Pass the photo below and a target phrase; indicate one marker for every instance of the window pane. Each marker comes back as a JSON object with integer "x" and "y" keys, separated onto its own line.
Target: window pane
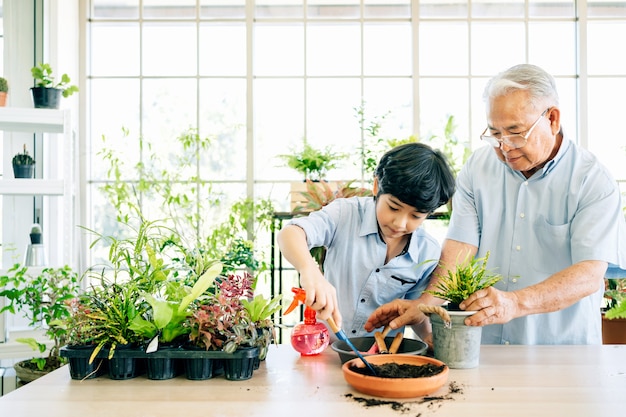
{"x": 544, "y": 8}
{"x": 222, "y": 49}
{"x": 333, "y": 49}
{"x": 158, "y": 9}
{"x": 442, "y": 8}
{"x": 115, "y": 9}
{"x": 392, "y": 97}
{"x": 278, "y": 125}
{"x": 496, "y": 46}
{"x": 603, "y": 58}
{"x": 378, "y": 57}
{"x": 223, "y": 120}
{"x": 393, "y": 8}
{"x": 115, "y": 49}
{"x": 606, "y": 8}
{"x": 169, "y": 49}
{"x": 333, "y": 8}
{"x": 541, "y": 40}
{"x": 436, "y": 106}
{"x": 279, "y": 49}
{"x": 220, "y": 9}
{"x": 608, "y": 146}
{"x": 330, "y": 119}
{"x": 109, "y": 115}
{"x": 498, "y": 8}
{"x": 279, "y": 8}
{"x": 168, "y": 109}
{"x": 448, "y": 55}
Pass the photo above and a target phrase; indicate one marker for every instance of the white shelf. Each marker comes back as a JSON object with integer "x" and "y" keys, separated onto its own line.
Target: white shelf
{"x": 24, "y": 186}
{"x": 32, "y": 120}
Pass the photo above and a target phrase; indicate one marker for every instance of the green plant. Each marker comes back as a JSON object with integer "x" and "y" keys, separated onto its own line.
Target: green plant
{"x": 167, "y": 314}
{"x": 42, "y": 300}
{"x": 311, "y": 162}
{"x": 317, "y": 195}
{"x": 221, "y": 321}
{"x": 615, "y": 295}
{"x": 260, "y": 310}
{"x": 4, "y": 85}
{"x": 468, "y": 277}
{"x": 23, "y": 158}
{"x": 42, "y": 73}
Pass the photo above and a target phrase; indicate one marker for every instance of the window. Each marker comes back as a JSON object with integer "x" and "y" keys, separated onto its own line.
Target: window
{"x": 259, "y": 77}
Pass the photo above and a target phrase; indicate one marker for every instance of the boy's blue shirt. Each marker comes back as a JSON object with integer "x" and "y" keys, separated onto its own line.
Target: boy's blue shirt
{"x": 355, "y": 259}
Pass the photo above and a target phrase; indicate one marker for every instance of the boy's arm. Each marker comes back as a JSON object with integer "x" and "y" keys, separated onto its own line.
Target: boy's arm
{"x": 320, "y": 294}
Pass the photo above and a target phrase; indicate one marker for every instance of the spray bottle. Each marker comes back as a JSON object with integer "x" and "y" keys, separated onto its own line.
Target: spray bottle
{"x": 310, "y": 337}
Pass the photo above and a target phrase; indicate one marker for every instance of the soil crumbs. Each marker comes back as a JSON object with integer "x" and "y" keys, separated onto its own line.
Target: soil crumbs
{"x": 400, "y": 370}
{"x": 405, "y": 407}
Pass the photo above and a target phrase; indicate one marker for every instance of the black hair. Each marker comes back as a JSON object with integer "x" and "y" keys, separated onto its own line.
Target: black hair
{"x": 417, "y": 174}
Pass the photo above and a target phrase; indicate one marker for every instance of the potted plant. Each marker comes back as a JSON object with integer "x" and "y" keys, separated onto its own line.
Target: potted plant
{"x": 221, "y": 323}
{"x": 614, "y": 311}
{"x": 35, "y": 234}
{"x": 455, "y": 343}
{"x": 47, "y": 91}
{"x": 4, "y": 90}
{"x": 42, "y": 300}
{"x": 23, "y": 164}
{"x": 312, "y": 163}
{"x": 260, "y": 310}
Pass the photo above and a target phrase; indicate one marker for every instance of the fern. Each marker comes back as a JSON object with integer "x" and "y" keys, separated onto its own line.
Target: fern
{"x": 468, "y": 278}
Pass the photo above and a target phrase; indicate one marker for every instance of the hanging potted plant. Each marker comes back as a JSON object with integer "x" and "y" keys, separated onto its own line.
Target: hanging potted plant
{"x": 23, "y": 164}
{"x": 47, "y": 91}
{"x": 455, "y": 343}
{"x": 4, "y": 90}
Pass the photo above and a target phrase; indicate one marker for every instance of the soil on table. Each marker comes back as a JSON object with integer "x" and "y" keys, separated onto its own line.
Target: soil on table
{"x": 400, "y": 370}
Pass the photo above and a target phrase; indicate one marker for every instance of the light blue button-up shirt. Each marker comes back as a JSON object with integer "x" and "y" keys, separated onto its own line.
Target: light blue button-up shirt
{"x": 567, "y": 212}
{"x": 355, "y": 259}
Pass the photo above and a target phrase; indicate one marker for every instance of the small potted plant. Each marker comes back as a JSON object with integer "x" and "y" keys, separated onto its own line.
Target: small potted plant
{"x": 47, "y": 91}
{"x": 221, "y": 323}
{"x": 23, "y": 164}
{"x": 455, "y": 343}
{"x": 35, "y": 234}
{"x": 42, "y": 300}
{"x": 614, "y": 311}
{"x": 4, "y": 90}
{"x": 260, "y": 310}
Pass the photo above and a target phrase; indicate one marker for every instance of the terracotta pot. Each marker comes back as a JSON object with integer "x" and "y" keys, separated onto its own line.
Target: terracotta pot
{"x": 395, "y": 387}
{"x": 613, "y": 331}
{"x": 3, "y": 99}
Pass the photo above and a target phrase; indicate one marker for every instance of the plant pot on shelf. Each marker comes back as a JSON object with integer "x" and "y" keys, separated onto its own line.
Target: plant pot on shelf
{"x": 24, "y": 171}
{"x": 46, "y": 98}
{"x": 458, "y": 345}
{"x": 3, "y": 99}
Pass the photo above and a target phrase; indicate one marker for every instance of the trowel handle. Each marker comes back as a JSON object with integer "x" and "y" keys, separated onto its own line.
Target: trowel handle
{"x": 333, "y": 326}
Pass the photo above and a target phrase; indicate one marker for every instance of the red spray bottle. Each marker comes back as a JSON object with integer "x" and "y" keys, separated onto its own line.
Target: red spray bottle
{"x": 310, "y": 337}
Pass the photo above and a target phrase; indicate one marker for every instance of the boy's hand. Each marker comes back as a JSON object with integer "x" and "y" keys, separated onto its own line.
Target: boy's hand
{"x": 320, "y": 294}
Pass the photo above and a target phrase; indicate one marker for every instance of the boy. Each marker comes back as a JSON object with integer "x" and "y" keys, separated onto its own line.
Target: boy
{"x": 375, "y": 250}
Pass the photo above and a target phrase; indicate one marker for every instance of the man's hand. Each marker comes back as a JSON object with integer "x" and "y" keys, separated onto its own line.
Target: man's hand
{"x": 492, "y": 305}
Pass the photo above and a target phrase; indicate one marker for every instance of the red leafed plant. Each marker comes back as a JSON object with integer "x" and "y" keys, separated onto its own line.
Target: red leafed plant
{"x": 221, "y": 321}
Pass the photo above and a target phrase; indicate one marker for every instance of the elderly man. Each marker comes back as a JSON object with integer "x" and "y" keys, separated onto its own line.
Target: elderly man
{"x": 547, "y": 211}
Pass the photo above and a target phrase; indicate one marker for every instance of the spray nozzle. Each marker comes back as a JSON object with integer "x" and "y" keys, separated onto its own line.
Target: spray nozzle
{"x": 299, "y": 297}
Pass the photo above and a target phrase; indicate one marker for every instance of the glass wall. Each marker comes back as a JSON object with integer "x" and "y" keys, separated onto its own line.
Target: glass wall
{"x": 257, "y": 78}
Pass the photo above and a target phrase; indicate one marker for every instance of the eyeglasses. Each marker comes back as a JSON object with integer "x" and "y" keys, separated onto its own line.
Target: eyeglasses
{"x": 511, "y": 141}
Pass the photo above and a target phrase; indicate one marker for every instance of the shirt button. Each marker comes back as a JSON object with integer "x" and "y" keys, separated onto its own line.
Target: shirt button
{"x": 522, "y": 215}
{"x": 377, "y": 269}
{"x": 514, "y": 280}
{"x": 362, "y": 300}
{"x": 353, "y": 332}
{"x": 526, "y": 183}
{"x": 506, "y": 342}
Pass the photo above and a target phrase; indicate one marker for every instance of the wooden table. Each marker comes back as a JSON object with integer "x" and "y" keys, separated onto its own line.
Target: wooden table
{"x": 510, "y": 381}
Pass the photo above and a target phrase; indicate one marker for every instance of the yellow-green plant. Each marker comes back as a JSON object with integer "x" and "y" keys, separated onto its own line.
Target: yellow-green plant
{"x": 464, "y": 280}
